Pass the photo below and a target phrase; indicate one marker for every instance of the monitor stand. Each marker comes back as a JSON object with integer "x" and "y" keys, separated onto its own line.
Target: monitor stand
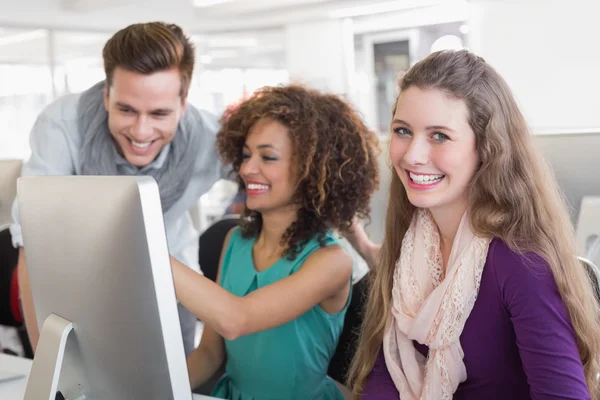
{"x": 48, "y": 359}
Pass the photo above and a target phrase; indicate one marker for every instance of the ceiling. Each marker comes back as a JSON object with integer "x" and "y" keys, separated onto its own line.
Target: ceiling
{"x": 227, "y": 33}
{"x": 259, "y": 49}
{"x": 199, "y": 15}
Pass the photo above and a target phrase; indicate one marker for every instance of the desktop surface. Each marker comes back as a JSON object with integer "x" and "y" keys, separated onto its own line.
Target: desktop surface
{"x": 15, "y": 389}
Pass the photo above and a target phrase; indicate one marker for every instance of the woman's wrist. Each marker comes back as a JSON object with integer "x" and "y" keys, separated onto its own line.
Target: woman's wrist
{"x": 372, "y": 254}
{"x": 359, "y": 239}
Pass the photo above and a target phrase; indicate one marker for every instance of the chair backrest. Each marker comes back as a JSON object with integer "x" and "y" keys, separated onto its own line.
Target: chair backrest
{"x": 594, "y": 274}
{"x": 346, "y": 348}
{"x": 10, "y": 170}
{"x": 211, "y": 243}
{"x": 10, "y": 313}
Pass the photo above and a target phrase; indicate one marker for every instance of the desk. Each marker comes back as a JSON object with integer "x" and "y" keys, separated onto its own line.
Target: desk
{"x": 15, "y": 390}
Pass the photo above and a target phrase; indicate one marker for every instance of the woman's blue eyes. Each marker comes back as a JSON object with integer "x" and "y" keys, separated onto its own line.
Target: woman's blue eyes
{"x": 440, "y": 137}
{"x": 437, "y": 136}
{"x": 401, "y": 131}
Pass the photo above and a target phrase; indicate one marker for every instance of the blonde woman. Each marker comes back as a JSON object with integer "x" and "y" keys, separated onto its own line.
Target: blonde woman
{"x": 477, "y": 293}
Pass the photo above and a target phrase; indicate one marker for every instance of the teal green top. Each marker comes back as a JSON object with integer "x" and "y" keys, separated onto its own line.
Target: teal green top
{"x": 288, "y": 362}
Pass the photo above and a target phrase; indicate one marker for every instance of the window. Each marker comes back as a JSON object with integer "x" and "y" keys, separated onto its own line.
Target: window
{"x": 25, "y": 87}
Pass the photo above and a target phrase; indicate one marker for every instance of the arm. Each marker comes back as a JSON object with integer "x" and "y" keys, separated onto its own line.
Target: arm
{"x": 359, "y": 239}
{"x": 206, "y": 359}
{"x": 545, "y": 337}
{"x": 49, "y": 156}
{"x": 324, "y": 274}
{"x": 27, "y": 301}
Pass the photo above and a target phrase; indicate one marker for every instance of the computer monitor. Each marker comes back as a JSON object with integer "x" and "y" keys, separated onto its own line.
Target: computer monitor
{"x": 9, "y": 172}
{"x": 98, "y": 264}
{"x": 588, "y": 229}
{"x": 575, "y": 159}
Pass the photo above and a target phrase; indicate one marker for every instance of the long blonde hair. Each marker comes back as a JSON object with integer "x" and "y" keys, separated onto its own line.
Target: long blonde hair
{"x": 513, "y": 196}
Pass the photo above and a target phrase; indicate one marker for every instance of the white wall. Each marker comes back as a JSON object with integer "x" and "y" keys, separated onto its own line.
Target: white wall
{"x": 321, "y": 54}
{"x": 548, "y": 53}
{"x": 447, "y": 11}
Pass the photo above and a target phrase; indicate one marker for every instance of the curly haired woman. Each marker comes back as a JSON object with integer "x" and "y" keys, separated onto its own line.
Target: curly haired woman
{"x": 307, "y": 163}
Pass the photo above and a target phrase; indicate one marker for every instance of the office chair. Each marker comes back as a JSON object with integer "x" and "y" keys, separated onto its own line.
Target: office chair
{"x": 340, "y": 362}
{"x": 10, "y": 308}
{"x": 594, "y": 274}
{"x": 211, "y": 243}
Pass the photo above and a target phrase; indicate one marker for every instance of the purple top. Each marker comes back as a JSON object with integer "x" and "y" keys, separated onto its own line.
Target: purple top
{"x": 518, "y": 341}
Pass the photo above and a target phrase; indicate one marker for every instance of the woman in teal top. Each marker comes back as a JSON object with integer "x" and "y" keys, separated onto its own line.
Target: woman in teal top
{"x": 294, "y": 356}
{"x": 308, "y": 166}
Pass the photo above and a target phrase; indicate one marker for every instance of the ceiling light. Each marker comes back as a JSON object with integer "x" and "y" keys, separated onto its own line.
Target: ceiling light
{"x": 23, "y": 37}
{"x": 208, "y": 3}
{"x": 224, "y": 54}
{"x": 447, "y": 42}
{"x": 381, "y": 7}
{"x": 232, "y": 42}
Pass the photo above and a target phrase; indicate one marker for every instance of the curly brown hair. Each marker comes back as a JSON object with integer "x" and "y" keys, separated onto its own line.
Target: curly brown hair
{"x": 334, "y": 150}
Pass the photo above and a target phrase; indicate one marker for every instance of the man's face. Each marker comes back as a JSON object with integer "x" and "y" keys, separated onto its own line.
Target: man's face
{"x": 143, "y": 112}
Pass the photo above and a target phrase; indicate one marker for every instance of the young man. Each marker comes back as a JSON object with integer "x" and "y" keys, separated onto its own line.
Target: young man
{"x": 137, "y": 122}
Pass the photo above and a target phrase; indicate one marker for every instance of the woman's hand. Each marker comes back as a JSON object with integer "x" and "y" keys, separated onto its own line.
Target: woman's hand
{"x": 359, "y": 239}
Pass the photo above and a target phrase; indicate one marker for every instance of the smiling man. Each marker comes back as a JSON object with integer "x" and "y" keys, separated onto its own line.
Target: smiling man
{"x": 136, "y": 122}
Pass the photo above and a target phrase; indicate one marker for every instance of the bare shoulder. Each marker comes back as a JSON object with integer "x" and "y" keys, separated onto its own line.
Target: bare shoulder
{"x": 331, "y": 267}
{"x": 333, "y": 257}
